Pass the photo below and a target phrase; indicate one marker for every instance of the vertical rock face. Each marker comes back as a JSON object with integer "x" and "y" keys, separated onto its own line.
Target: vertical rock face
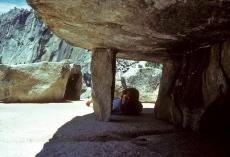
{"x": 24, "y": 39}
{"x": 21, "y": 36}
{"x": 216, "y": 91}
{"x": 197, "y": 94}
{"x": 39, "y": 82}
{"x": 164, "y": 103}
{"x": 103, "y": 79}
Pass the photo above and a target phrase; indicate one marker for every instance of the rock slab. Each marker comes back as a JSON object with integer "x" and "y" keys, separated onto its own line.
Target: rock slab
{"x": 137, "y": 30}
{"x": 39, "y": 82}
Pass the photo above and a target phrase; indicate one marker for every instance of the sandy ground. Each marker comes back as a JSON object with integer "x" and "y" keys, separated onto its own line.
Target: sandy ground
{"x": 25, "y": 127}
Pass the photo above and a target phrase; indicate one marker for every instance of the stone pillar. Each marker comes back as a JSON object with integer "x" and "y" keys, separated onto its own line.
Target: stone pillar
{"x": 165, "y": 107}
{"x": 103, "y": 66}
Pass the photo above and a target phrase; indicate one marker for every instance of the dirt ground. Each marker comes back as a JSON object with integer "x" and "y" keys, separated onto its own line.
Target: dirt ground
{"x": 71, "y": 130}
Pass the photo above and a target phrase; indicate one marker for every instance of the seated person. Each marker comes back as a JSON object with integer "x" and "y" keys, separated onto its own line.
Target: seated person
{"x": 128, "y": 104}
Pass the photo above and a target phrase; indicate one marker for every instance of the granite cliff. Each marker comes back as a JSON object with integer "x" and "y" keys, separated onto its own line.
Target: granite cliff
{"x": 25, "y": 39}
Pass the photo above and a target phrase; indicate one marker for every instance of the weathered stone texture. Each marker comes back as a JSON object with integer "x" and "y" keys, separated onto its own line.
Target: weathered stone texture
{"x": 192, "y": 97}
{"x": 216, "y": 91}
{"x": 165, "y": 107}
{"x": 140, "y": 30}
{"x": 103, "y": 82}
{"x": 38, "y": 82}
{"x": 179, "y": 33}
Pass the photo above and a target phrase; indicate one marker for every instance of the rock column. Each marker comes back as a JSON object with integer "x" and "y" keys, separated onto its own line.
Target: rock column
{"x": 103, "y": 67}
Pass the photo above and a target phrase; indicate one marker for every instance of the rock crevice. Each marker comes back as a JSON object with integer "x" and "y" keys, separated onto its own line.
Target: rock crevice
{"x": 199, "y": 88}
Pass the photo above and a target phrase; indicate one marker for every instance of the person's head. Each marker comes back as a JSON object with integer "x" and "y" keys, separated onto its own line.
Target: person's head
{"x": 130, "y": 102}
{"x": 130, "y": 95}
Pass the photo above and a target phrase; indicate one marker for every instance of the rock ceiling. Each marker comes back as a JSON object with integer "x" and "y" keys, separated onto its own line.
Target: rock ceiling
{"x": 137, "y": 29}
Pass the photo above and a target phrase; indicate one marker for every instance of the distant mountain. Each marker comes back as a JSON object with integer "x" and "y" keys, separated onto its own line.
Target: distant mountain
{"x": 25, "y": 39}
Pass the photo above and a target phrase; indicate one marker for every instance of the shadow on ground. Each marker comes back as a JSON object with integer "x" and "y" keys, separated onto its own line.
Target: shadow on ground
{"x": 130, "y": 136}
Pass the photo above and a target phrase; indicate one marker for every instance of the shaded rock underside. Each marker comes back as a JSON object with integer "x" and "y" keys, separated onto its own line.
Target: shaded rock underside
{"x": 137, "y": 30}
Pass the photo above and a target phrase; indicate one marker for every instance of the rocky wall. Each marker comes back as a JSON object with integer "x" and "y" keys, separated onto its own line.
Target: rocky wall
{"x": 194, "y": 91}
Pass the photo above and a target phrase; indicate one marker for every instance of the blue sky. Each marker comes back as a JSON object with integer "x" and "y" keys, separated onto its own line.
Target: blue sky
{"x": 7, "y": 5}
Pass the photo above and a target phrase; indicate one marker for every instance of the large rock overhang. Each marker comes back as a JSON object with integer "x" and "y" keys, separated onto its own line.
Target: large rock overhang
{"x": 151, "y": 30}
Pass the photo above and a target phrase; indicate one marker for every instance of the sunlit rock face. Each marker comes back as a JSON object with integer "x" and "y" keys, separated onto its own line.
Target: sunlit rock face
{"x": 24, "y": 39}
{"x": 40, "y": 82}
{"x": 137, "y": 29}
